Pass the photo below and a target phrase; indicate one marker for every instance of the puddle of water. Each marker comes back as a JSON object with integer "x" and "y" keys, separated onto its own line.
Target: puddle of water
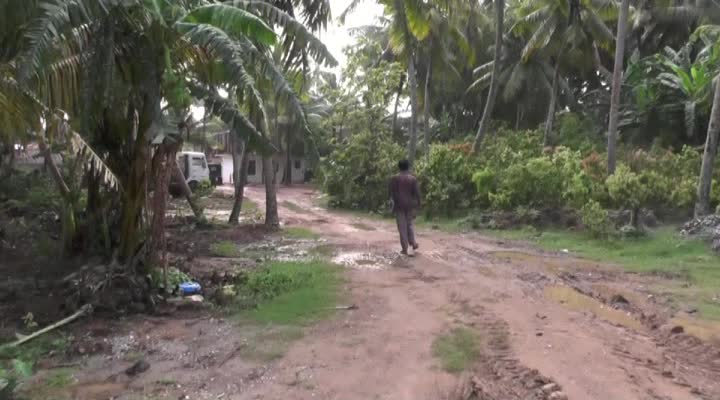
{"x": 283, "y": 250}
{"x": 550, "y": 263}
{"x": 362, "y": 260}
{"x": 577, "y": 301}
{"x": 706, "y": 330}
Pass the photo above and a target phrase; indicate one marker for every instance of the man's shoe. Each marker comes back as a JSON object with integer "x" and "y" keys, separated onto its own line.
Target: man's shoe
{"x": 416, "y": 246}
{"x": 404, "y": 252}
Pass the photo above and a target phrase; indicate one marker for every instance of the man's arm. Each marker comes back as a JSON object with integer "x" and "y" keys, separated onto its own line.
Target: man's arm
{"x": 416, "y": 193}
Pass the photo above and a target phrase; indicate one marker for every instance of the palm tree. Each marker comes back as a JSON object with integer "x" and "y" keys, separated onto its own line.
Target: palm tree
{"x": 702, "y": 206}
{"x": 616, "y": 88}
{"x": 566, "y": 31}
{"x": 492, "y": 93}
{"x": 166, "y": 49}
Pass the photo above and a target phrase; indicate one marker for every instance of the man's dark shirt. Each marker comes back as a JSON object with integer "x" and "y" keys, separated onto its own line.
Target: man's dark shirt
{"x": 404, "y": 192}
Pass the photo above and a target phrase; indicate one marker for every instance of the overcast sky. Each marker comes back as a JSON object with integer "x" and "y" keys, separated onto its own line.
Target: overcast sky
{"x": 337, "y": 35}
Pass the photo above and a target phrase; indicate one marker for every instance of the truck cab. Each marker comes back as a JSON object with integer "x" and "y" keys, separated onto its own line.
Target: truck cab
{"x": 194, "y": 166}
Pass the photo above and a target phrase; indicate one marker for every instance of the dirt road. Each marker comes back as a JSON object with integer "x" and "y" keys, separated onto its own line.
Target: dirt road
{"x": 614, "y": 342}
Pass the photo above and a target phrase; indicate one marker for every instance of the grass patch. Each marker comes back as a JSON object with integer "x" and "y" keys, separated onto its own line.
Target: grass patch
{"x": 249, "y": 206}
{"x": 293, "y": 207}
{"x": 17, "y": 364}
{"x": 292, "y": 293}
{"x": 457, "y": 350}
{"x": 59, "y": 378}
{"x": 283, "y": 297}
{"x": 296, "y": 232}
{"x": 225, "y": 248}
{"x": 663, "y": 252}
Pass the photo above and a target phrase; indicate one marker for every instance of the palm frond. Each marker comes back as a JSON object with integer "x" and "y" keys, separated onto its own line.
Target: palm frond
{"x": 56, "y": 20}
{"x": 229, "y": 113}
{"x": 349, "y": 9}
{"x": 91, "y": 159}
{"x": 234, "y": 21}
{"x": 515, "y": 83}
{"x": 417, "y": 21}
{"x": 215, "y": 41}
{"x": 292, "y": 28}
{"x": 597, "y": 28}
{"x": 540, "y": 38}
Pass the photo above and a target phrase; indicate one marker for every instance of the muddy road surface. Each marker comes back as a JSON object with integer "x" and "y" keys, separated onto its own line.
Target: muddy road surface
{"x": 550, "y": 326}
{"x": 542, "y": 318}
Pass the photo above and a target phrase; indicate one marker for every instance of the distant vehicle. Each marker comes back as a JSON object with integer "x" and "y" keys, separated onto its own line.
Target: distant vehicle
{"x": 194, "y": 166}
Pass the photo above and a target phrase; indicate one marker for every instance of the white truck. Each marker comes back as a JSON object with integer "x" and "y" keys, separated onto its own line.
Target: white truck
{"x": 194, "y": 167}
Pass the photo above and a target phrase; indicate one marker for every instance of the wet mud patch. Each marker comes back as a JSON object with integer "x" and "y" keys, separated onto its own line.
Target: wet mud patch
{"x": 571, "y": 298}
{"x": 286, "y": 250}
{"x": 365, "y": 260}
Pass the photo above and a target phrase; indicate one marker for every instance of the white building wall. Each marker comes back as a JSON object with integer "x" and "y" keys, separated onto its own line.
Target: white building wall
{"x": 298, "y": 168}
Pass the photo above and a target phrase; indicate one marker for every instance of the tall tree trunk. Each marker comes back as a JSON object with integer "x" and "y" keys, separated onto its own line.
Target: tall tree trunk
{"x": 492, "y": 93}
{"x": 412, "y": 83}
{"x": 426, "y": 107}
{"x": 272, "y": 220}
{"x": 187, "y": 192}
{"x": 67, "y": 212}
{"x": 163, "y": 165}
{"x": 617, "y": 86}
{"x": 7, "y": 170}
{"x": 702, "y": 206}
{"x": 240, "y": 162}
{"x": 518, "y": 116}
{"x": 397, "y": 103}
{"x": 288, "y": 159}
{"x": 548, "y": 139}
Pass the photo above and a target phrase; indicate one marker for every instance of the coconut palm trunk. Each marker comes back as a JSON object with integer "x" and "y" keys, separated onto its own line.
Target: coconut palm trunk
{"x": 616, "y": 86}
{"x": 187, "y": 192}
{"x": 492, "y": 93}
{"x": 702, "y": 206}
{"x": 163, "y": 165}
{"x": 401, "y": 85}
{"x": 548, "y": 138}
{"x": 426, "y": 108}
{"x": 240, "y": 163}
{"x": 412, "y": 85}
{"x": 272, "y": 219}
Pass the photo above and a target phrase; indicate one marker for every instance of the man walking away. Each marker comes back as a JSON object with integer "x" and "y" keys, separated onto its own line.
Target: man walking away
{"x": 405, "y": 194}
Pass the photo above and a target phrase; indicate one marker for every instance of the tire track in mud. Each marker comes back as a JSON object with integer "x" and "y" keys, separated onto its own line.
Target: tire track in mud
{"x": 682, "y": 358}
{"x": 499, "y": 375}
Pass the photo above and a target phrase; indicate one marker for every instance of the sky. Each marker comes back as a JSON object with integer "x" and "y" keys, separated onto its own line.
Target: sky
{"x": 337, "y": 36}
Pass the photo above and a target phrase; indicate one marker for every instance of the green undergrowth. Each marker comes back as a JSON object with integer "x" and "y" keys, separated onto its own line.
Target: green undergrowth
{"x": 663, "y": 252}
{"x": 276, "y": 302}
{"x": 297, "y": 232}
{"x": 225, "y": 248}
{"x": 457, "y": 350}
{"x": 17, "y": 364}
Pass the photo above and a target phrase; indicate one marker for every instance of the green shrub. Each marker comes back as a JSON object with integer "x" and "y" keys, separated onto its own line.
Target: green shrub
{"x": 485, "y": 182}
{"x": 596, "y": 220}
{"x": 203, "y": 189}
{"x": 356, "y": 174}
{"x": 446, "y": 180}
{"x": 626, "y": 188}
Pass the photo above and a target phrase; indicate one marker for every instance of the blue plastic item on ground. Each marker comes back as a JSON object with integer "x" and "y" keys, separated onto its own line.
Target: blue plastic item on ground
{"x": 188, "y": 288}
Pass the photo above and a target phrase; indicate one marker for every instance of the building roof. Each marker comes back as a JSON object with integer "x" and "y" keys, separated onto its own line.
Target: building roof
{"x": 193, "y": 153}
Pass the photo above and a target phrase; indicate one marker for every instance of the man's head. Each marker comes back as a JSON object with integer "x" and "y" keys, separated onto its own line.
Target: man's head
{"x": 404, "y": 165}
